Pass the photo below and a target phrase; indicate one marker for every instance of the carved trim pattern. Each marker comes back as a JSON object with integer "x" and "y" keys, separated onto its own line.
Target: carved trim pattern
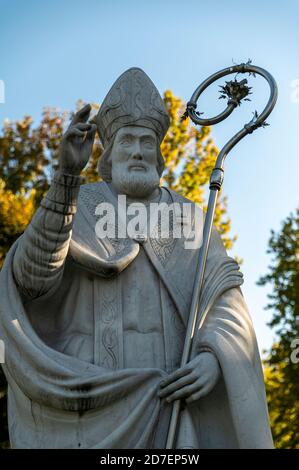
{"x": 163, "y": 247}
{"x": 91, "y": 196}
{"x": 109, "y": 356}
{"x": 174, "y": 331}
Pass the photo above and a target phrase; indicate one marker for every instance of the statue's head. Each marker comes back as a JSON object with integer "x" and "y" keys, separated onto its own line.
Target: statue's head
{"x": 132, "y": 123}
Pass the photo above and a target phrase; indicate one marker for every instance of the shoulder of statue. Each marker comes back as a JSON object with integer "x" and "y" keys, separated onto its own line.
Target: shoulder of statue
{"x": 196, "y": 209}
{"x": 215, "y": 236}
{"x": 177, "y": 197}
{"x": 92, "y": 190}
{"x": 92, "y": 194}
{"x": 92, "y": 187}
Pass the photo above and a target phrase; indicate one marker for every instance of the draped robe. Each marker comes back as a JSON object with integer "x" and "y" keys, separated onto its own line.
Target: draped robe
{"x": 92, "y": 326}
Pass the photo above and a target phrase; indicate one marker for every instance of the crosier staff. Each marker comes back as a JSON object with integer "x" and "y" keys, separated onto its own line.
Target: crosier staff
{"x": 235, "y": 91}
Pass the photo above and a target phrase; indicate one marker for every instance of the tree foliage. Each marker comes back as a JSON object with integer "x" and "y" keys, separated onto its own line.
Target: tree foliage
{"x": 29, "y": 156}
{"x": 281, "y": 372}
{"x": 16, "y": 212}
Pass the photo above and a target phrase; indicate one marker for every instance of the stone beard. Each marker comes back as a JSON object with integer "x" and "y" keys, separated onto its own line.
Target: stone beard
{"x": 135, "y": 184}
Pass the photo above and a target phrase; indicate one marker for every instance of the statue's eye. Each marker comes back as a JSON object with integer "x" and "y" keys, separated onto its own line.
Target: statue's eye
{"x": 149, "y": 144}
{"x": 126, "y": 140}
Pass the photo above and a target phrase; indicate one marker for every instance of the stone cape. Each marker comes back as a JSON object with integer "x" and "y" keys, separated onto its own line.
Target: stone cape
{"x": 69, "y": 397}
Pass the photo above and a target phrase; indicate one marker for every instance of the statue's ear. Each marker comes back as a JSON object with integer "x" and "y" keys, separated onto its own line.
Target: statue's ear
{"x": 161, "y": 162}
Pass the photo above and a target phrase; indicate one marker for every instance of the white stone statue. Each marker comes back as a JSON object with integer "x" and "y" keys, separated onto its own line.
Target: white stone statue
{"x": 94, "y": 327}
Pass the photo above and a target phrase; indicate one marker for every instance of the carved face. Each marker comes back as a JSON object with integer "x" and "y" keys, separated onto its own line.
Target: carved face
{"x": 134, "y": 160}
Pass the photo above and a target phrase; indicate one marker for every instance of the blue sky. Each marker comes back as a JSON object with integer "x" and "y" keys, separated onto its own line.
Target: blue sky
{"x": 53, "y": 53}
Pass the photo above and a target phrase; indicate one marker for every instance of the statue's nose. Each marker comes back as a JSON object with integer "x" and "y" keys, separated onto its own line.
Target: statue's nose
{"x": 137, "y": 154}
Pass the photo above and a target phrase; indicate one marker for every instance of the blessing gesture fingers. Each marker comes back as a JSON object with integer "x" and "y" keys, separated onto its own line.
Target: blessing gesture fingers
{"x": 77, "y": 142}
{"x": 193, "y": 381}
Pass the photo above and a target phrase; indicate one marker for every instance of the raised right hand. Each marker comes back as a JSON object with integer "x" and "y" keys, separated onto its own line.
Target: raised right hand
{"x": 76, "y": 144}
